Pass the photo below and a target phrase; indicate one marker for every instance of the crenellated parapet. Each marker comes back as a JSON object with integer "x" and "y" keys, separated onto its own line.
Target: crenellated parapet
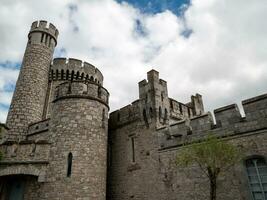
{"x": 228, "y": 122}
{"x": 43, "y": 32}
{"x": 125, "y": 115}
{"x": 81, "y": 89}
{"x": 74, "y": 69}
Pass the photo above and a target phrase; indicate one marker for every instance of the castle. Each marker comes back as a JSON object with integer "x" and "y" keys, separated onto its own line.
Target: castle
{"x": 59, "y": 142}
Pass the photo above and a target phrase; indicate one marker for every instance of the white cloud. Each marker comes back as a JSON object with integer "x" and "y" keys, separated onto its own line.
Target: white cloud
{"x": 224, "y": 58}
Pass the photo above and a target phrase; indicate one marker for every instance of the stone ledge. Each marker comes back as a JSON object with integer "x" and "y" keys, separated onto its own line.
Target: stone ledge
{"x": 228, "y": 107}
{"x": 24, "y": 162}
{"x": 254, "y": 99}
{"x": 133, "y": 167}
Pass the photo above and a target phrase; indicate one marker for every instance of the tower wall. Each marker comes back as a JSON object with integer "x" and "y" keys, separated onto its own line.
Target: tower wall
{"x": 69, "y": 69}
{"x": 29, "y": 97}
{"x": 78, "y": 126}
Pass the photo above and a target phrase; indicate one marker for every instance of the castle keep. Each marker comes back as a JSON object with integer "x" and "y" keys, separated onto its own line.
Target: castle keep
{"x": 59, "y": 142}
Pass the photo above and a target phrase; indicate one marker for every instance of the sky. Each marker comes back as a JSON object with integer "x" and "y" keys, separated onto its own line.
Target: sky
{"x": 216, "y": 48}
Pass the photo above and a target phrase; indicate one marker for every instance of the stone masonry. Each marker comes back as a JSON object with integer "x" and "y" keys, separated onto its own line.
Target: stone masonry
{"x": 60, "y": 143}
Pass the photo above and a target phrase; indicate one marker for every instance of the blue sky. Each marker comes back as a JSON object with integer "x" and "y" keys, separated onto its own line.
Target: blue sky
{"x": 157, "y": 6}
{"x": 198, "y": 46}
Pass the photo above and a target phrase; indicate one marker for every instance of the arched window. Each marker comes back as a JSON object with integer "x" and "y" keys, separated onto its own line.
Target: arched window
{"x": 257, "y": 177}
{"x": 151, "y": 112}
{"x": 145, "y": 117}
{"x": 99, "y": 92}
{"x": 165, "y": 114}
{"x": 69, "y": 164}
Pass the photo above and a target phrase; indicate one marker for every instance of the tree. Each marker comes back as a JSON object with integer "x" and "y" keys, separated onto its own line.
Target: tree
{"x": 214, "y": 156}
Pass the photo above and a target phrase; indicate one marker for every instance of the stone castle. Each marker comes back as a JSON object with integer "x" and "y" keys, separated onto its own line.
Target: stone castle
{"x": 60, "y": 143}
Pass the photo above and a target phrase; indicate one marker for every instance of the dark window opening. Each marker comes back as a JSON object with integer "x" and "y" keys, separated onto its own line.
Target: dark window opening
{"x": 160, "y": 112}
{"x": 181, "y": 108}
{"x": 165, "y": 114}
{"x": 42, "y": 38}
{"x": 62, "y": 74}
{"x": 151, "y": 112}
{"x": 72, "y": 76}
{"x": 69, "y": 164}
{"x": 133, "y": 149}
{"x": 188, "y": 110}
{"x": 171, "y": 105}
{"x": 99, "y": 92}
{"x": 29, "y": 41}
{"x": 145, "y": 118}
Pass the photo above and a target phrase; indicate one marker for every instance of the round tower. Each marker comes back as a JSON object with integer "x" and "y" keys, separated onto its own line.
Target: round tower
{"x": 79, "y": 119}
{"x": 70, "y": 69}
{"x": 29, "y": 97}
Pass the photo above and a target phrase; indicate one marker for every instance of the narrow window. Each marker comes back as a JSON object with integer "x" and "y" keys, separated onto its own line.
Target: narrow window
{"x": 62, "y": 74}
{"x": 151, "y": 112}
{"x": 69, "y": 88}
{"x": 29, "y": 41}
{"x": 99, "y": 92}
{"x": 162, "y": 96}
{"x": 103, "y": 115}
{"x": 188, "y": 110}
{"x": 133, "y": 149}
{"x": 171, "y": 105}
{"x": 46, "y": 39}
{"x": 165, "y": 114}
{"x": 82, "y": 76}
{"x": 67, "y": 74}
{"x": 72, "y": 75}
{"x": 257, "y": 177}
{"x": 49, "y": 43}
{"x": 42, "y": 38}
{"x": 103, "y": 118}
{"x": 160, "y": 112}
{"x": 180, "y": 108}
{"x": 145, "y": 118}
{"x": 77, "y": 75}
{"x": 57, "y": 74}
{"x": 69, "y": 164}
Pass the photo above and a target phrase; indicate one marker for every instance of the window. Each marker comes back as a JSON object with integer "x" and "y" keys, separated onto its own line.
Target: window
{"x": 151, "y": 112}
{"x": 257, "y": 177}
{"x": 145, "y": 117}
{"x": 165, "y": 114}
{"x": 69, "y": 164}
{"x": 133, "y": 149}
{"x": 160, "y": 112}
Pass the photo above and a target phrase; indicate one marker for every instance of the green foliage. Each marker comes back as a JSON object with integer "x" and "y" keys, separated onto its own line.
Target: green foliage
{"x": 212, "y": 153}
{"x": 213, "y": 156}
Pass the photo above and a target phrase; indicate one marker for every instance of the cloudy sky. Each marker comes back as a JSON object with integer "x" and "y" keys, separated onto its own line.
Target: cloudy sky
{"x": 217, "y": 48}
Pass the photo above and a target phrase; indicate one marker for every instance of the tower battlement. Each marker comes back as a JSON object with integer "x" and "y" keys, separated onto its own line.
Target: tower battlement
{"x": 81, "y": 89}
{"x": 74, "y": 69}
{"x": 228, "y": 122}
{"x": 44, "y": 26}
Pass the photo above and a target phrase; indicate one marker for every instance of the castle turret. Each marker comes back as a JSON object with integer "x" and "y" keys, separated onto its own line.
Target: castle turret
{"x": 28, "y": 101}
{"x": 153, "y": 95}
{"x": 79, "y": 118}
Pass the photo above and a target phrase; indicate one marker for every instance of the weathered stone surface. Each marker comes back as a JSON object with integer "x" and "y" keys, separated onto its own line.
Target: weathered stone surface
{"x": 61, "y": 107}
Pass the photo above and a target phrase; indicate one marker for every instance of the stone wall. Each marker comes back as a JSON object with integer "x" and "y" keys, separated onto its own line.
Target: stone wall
{"x": 154, "y": 174}
{"x": 78, "y": 126}
{"x": 29, "y": 97}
